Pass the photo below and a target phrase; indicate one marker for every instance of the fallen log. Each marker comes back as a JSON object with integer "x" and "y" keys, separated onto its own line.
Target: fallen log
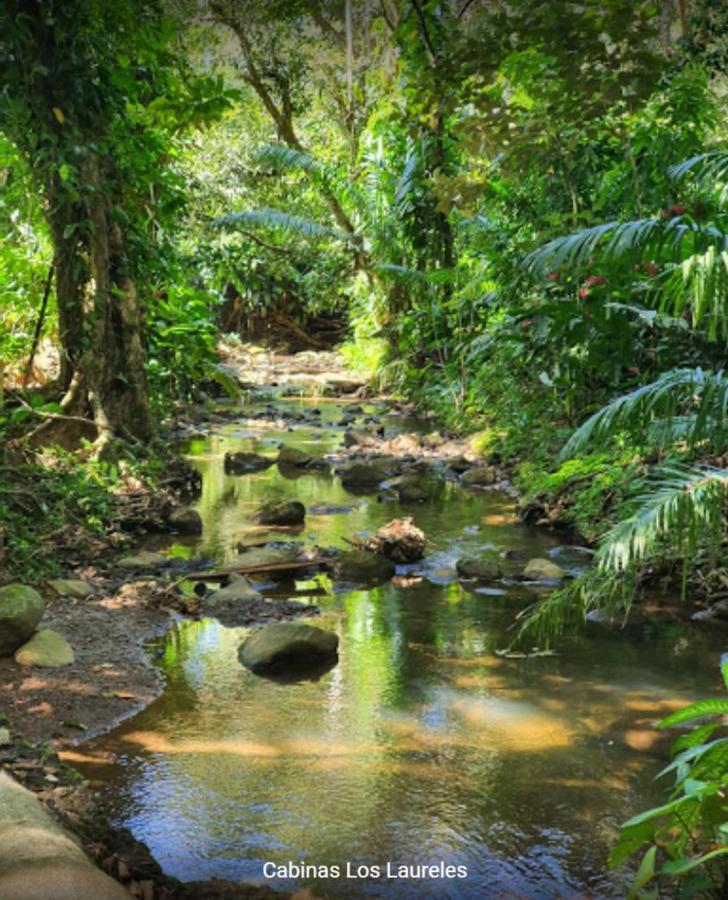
{"x": 262, "y": 569}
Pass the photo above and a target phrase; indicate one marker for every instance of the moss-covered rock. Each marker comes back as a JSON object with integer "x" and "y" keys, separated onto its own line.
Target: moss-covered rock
{"x": 21, "y": 608}
{"x": 47, "y": 649}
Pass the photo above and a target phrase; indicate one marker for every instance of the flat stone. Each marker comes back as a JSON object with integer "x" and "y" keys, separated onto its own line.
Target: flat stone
{"x": 231, "y": 604}
{"x": 362, "y": 437}
{"x": 72, "y": 587}
{"x": 542, "y": 570}
{"x": 265, "y": 556}
{"x": 46, "y": 649}
{"x": 143, "y": 560}
{"x": 21, "y": 608}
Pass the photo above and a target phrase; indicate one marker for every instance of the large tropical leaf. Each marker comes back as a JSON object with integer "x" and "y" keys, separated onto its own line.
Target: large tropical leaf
{"x": 695, "y": 401}
{"x": 278, "y": 221}
{"x": 686, "y": 502}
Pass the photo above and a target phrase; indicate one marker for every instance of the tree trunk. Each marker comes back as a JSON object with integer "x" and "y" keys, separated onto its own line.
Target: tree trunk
{"x": 71, "y": 276}
{"x": 114, "y": 364}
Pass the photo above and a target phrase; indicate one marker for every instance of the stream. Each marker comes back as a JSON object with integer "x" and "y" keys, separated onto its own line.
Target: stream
{"x": 423, "y": 744}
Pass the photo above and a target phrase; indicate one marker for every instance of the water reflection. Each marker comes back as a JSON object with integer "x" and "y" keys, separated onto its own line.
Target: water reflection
{"x": 421, "y": 745}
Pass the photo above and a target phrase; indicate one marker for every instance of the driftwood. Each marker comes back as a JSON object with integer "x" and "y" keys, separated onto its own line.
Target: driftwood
{"x": 220, "y": 574}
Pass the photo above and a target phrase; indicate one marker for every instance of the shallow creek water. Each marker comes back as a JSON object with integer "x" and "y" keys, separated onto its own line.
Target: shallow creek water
{"x": 423, "y": 744}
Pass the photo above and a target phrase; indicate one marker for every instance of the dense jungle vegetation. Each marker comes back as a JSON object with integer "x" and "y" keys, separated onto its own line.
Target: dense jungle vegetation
{"x": 514, "y": 215}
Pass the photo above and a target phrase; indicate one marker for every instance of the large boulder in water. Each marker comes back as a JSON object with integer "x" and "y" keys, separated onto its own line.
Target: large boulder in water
{"x": 363, "y": 566}
{"x": 293, "y": 458}
{"x": 21, "y": 608}
{"x": 483, "y": 569}
{"x": 359, "y": 475}
{"x": 289, "y": 648}
{"x": 283, "y": 512}
{"x": 242, "y": 463}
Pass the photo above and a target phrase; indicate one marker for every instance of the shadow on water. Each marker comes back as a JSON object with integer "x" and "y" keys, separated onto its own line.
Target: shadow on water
{"x": 422, "y": 744}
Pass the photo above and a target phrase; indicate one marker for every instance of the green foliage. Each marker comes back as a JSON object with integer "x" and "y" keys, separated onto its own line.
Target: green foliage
{"x": 688, "y": 835}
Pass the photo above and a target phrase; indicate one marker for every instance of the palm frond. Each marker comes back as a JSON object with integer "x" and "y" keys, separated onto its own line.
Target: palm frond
{"x": 611, "y": 238}
{"x": 685, "y": 502}
{"x": 407, "y": 183}
{"x": 699, "y": 394}
{"x": 407, "y": 274}
{"x": 685, "y": 508}
{"x": 700, "y": 284}
{"x": 568, "y": 607}
{"x": 709, "y": 172}
{"x": 283, "y": 159}
{"x": 277, "y": 221}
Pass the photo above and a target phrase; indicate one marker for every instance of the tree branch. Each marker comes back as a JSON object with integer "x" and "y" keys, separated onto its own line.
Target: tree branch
{"x": 466, "y": 7}
{"x": 425, "y": 32}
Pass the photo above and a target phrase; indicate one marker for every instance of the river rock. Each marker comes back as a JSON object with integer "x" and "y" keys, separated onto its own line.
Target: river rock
{"x": 542, "y": 570}
{"x": 71, "y": 587}
{"x": 479, "y": 476}
{"x": 410, "y": 490}
{"x": 145, "y": 559}
{"x": 231, "y": 602}
{"x": 328, "y": 509}
{"x": 21, "y": 608}
{"x": 363, "y": 566}
{"x": 483, "y": 569}
{"x": 288, "y": 646}
{"x": 283, "y": 512}
{"x": 186, "y": 521}
{"x": 41, "y": 861}
{"x": 47, "y": 649}
{"x": 241, "y": 463}
{"x": 399, "y": 540}
{"x": 363, "y": 475}
{"x": 293, "y": 458}
{"x": 265, "y": 556}
{"x": 361, "y": 437}
{"x": 404, "y": 444}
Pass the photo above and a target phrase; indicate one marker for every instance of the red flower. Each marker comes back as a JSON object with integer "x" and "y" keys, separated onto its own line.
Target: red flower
{"x": 553, "y": 276}
{"x": 677, "y": 209}
{"x": 595, "y": 280}
{"x": 583, "y": 292}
